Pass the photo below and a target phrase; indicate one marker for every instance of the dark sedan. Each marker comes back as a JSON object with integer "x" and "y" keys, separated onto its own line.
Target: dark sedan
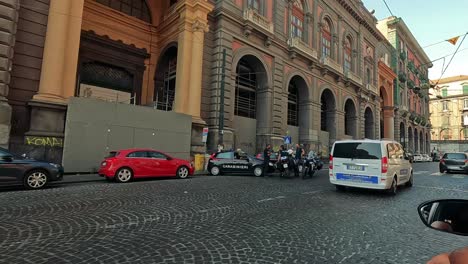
{"x": 32, "y": 174}
{"x": 455, "y": 161}
{"x": 228, "y": 162}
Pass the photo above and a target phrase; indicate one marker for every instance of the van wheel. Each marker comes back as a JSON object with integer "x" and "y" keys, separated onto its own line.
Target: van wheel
{"x": 394, "y": 187}
{"x": 409, "y": 183}
{"x": 340, "y": 188}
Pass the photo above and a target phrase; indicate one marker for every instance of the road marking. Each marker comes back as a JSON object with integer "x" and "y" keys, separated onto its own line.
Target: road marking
{"x": 271, "y": 199}
{"x": 440, "y": 188}
{"x": 312, "y": 192}
{"x": 458, "y": 176}
{"x": 419, "y": 172}
{"x": 213, "y": 209}
{"x": 437, "y": 174}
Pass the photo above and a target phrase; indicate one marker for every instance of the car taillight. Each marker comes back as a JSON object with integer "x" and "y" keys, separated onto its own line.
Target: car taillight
{"x": 330, "y": 166}
{"x": 103, "y": 164}
{"x": 384, "y": 165}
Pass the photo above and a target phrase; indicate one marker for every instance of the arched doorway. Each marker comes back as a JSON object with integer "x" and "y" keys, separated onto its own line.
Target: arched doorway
{"x": 298, "y": 114}
{"x": 402, "y": 135}
{"x": 382, "y": 116}
{"x": 416, "y": 141}
{"x": 369, "y": 124}
{"x": 350, "y": 119}
{"x": 250, "y": 109}
{"x": 410, "y": 140}
{"x": 165, "y": 79}
{"x": 327, "y": 118}
{"x": 428, "y": 143}
{"x": 421, "y": 143}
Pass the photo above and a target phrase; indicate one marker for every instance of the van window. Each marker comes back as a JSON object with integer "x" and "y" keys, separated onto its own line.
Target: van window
{"x": 357, "y": 150}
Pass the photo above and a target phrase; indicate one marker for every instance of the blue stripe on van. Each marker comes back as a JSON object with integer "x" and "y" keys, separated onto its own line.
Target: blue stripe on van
{"x": 357, "y": 178}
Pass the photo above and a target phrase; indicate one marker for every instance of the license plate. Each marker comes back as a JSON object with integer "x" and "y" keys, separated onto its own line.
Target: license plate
{"x": 357, "y": 178}
{"x": 311, "y": 162}
{"x": 355, "y": 167}
{"x": 285, "y": 165}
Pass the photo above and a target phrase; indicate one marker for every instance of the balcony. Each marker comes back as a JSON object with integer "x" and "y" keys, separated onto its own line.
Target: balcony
{"x": 402, "y": 77}
{"x": 297, "y": 43}
{"x": 402, "y": 56}
{"x": 259, "y": 20}
{"x": 327, "y": 61}
{"x": 353, "y": 77}
{"x": 372, "y": 88}
{"x": 410, "y": 84}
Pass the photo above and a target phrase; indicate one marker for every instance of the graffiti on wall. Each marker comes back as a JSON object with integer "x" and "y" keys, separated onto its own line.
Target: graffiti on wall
{"x": 44, "y": 141}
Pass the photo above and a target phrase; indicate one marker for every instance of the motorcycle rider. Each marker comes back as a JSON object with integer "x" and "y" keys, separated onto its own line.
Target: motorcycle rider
{"x": 282, "y": 153}
{"x": 266, "y": 159}
{"x": 298, "y": 159}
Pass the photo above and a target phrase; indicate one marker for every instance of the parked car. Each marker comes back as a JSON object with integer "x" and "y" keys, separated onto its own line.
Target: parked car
{"x": 226, "y": 162}
{"x": 454, "y": 161}
{"x": 371, "y": 164}
{"x": 418, "y": 158}
{"x": 426, "y": 158}
{"x": 30, "y": 173}
{"x": 125, "y": 165}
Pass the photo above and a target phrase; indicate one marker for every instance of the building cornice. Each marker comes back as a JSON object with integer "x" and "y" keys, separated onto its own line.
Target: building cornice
{"x": 401, "y": 26}
{"x": 351, "y": 10}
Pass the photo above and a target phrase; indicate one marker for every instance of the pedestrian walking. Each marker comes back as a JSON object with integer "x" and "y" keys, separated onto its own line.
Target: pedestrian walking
{"x": 298, "y": 159}
{"x": 266, "y": 159}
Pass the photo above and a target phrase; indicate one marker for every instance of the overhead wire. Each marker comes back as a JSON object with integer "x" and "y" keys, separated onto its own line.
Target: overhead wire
{"x": 448, "y": 64}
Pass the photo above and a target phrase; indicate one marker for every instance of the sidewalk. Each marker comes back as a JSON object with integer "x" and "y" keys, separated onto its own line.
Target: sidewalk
{"x": 78, "y": 178}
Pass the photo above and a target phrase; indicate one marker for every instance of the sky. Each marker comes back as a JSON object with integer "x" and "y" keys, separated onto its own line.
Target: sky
{"x": 432, "y": 21}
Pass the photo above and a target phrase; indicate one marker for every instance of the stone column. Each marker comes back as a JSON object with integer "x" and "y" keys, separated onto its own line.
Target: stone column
{"x": 264, "y": 116}
{"x": 8, "y": 28}
{"x": 195, "y": 89}
{"x": 62, "y": 43}
{"x": 306, "y": 112}
{"x": 389, "y": 122}
{"x": 192, "y": 25}
{"x": 339, "y": 121}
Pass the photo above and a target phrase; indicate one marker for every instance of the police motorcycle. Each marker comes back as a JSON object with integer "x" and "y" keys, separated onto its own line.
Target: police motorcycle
{"x": 286, "y": 165}
{"x": 310, "y": 165}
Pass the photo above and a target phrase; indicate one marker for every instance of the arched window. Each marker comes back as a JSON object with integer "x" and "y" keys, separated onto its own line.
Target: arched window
{"x": 134, "y": 8}
{"x": 326, "y": 38}
{"x": 293, "y": 109}
{"x": 246, "y": 96}
{"x": 254, "y": 4}
{"x": 347, "y": 55}
{"x": 297, "y": 20}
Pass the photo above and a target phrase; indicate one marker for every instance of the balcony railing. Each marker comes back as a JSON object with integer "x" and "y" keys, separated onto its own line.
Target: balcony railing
{"x": 332, "y": 64}
{"x": 259, "y": 20}
{"x": 297, "y": 43}
{"x": 402, "y": 77}
{"x": 353, "y": 77}
{"x": 371, "y": 87}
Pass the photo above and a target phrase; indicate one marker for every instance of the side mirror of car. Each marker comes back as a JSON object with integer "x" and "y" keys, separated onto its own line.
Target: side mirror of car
{"x": 449, "y": 215}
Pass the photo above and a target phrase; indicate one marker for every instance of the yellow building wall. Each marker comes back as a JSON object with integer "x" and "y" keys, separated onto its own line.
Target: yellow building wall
{"x": 117, "y": 26}
{"x": 451, "y": 118}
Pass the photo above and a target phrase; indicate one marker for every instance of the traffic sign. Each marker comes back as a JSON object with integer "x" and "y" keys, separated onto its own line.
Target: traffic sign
{"x": 287, "y": 140}
{"x": 205, "y": 135}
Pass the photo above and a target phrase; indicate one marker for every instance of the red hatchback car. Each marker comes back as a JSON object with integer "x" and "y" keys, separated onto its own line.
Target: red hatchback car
{"x": 124, "y": 165}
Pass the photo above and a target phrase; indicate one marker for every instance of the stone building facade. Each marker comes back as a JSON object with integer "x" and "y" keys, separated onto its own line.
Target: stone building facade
{"x": 307, "y": 69}
{"x": 412, "y": 124}
{"x": 314, "y": 70}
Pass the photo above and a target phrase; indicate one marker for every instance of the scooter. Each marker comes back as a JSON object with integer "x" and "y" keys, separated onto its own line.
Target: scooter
{"x": 450, "y": 216}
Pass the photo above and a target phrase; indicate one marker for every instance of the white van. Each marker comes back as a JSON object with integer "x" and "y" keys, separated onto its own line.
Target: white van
{"x": 372, "y": 164}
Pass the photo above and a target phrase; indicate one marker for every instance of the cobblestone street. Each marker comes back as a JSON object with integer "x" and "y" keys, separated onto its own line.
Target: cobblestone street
{"x": 225, "y": 219}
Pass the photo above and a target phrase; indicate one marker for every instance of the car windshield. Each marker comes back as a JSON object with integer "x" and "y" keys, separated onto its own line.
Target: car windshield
{"x": 455, "y": 156}
{"x": 112, "y": 154}
{"x": 357, "y": 150}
